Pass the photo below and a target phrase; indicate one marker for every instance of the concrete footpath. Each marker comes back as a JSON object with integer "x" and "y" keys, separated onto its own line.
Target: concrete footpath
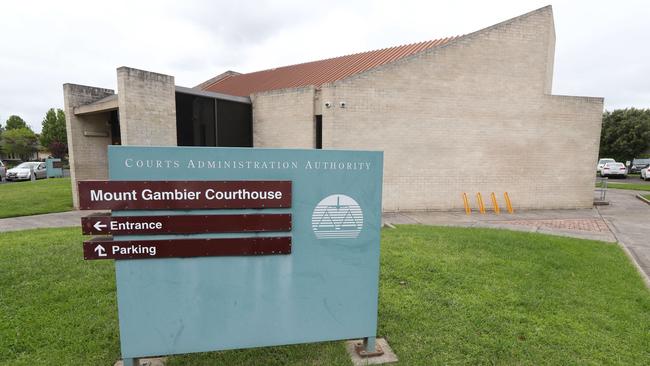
{"x": 626, "y": 220}
{"x": 583, "y": 224}
{"x": 59, "y": 219}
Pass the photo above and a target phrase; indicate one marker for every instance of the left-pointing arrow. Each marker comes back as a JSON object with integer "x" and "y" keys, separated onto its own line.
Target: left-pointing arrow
{"x": 101, "y": 252}
{"x": 96, "y": 224}
{"x": 99, "y": 226}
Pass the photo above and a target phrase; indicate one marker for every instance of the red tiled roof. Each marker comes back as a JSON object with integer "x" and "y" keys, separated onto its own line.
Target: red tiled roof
{"x": 316, "y": 72}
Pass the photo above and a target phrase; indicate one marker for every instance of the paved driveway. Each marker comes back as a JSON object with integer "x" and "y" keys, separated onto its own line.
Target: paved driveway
{"x": 629, "y": 220}
{"x": 632, "y": 179}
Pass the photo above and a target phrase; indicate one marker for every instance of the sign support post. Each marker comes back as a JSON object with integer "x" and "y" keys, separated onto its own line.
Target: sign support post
{"x": 130, "y": 362}
{"x": 370, "y": 344}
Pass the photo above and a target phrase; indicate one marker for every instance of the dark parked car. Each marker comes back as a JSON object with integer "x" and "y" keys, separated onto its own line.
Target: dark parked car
{"x": 638, "y": 164}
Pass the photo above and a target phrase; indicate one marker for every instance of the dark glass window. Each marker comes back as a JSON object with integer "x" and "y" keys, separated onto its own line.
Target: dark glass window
{"x": 319, "y": 131}
{"x": 204, "y": 121}
{"x": 195, "y": 121}
{"x": 114, "y": 122}
{"x": 234, "y": 124}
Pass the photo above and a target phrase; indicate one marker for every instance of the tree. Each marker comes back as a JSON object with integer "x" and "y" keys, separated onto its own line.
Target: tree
{"x": 15, "y": 122}
{"x": 19, "y": 141}
{"x": 53, "y": 134}
{"x": 625, "y": 134}
{"x": 58, "y": 149}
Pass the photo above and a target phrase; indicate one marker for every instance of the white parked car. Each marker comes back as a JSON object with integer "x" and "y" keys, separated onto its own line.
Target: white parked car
{"x": 645, "y": 173}
{"x": 614, "y": 170}
{"x": 601, "y": 163}
{"x": 24, "y": 171}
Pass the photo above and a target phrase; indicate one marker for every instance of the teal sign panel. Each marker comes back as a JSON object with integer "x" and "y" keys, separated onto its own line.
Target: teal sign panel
{"x": 54, "y": 168}
{"x": 325, "y": 289}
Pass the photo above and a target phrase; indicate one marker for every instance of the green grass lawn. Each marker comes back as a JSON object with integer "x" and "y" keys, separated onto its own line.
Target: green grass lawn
{"x": 447, "y": 296}
{"x": 33, "y": 198}
{"x": 631, "y": 186}
{"x": 646, "y": 196}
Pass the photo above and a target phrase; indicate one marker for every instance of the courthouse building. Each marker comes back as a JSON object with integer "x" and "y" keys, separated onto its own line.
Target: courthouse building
{"x": 472, "y": 113}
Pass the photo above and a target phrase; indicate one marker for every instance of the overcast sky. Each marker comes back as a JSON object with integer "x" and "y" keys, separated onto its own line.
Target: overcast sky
{"x": 602, "y": 47}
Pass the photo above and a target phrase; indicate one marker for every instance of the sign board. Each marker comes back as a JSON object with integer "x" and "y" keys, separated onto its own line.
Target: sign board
{"x": 183, "y": 248}
{"x": 54, "y": 167}
{"x": 153, "y": 195}
{"x": 184, "y": 224}
{"x": 320, "y": 285}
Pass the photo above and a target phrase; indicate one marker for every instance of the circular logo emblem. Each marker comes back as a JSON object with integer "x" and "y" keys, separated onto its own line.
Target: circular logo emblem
{"x": 337, "y": 217}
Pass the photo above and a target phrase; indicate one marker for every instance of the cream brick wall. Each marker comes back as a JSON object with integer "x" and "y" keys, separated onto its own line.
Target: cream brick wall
{"x": 284, "y": 118}
{"x": 147, "y": 112}
{"x": 147, "y": 107}
{"x": 471, "y": 116}
{"x": 88, "y": 155}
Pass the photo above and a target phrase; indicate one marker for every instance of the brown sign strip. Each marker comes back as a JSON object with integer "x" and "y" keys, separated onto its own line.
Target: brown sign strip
{"x": 185, "y": 224}
{"x": 162, "y": 195}
{"x": 147, "y": 249}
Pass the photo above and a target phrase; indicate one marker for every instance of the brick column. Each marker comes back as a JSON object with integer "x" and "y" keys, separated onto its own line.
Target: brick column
{"x": 147, "y": 105}
{"x": 87, "y": 155}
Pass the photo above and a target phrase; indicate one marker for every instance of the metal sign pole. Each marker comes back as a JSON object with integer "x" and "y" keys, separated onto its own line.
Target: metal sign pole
{"x": 370, "y": 344}
{"x": 130, "y": 362}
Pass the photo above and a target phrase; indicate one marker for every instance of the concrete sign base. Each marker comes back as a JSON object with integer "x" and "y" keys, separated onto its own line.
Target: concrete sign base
{"x": 156, "y": 361}
{"x": 388, "y": 355}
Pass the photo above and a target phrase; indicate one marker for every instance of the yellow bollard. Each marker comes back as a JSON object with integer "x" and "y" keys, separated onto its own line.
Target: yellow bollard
{"x": 495, "y": 204}
{"x": 481, "y": 206}
{"x": 508, "y": 204}
{"x": 468, "y": 210}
